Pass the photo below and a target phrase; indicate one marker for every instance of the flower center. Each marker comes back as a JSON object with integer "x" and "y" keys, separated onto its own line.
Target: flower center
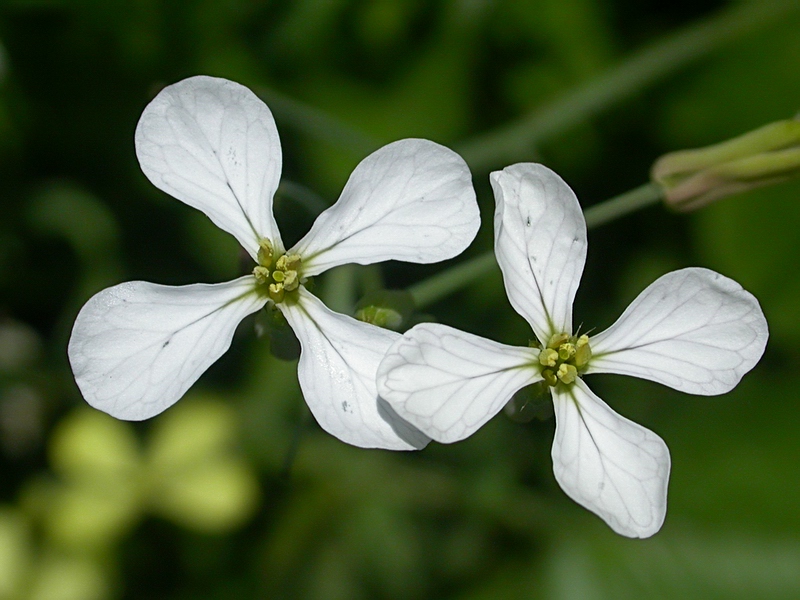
{"x": 564, "y": 358}
{"x": 277, "y": 275}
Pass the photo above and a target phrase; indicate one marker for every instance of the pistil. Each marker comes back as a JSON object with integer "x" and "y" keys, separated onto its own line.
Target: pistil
{"x": 279, "y": 275}
{"x": 564, "y": 358}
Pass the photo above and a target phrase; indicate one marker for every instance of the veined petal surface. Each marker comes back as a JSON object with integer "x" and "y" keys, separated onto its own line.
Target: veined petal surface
{"x": 448, "y": 382}
{"x": 137, "y": 347}
{"x": 540, "y": 243}
{"x": 411, "y": 200}
{"x": 337, "y": 368}
{"x": 213, "y": 144}
{"x": 615, "y": 468}
{"x": 693, "y": 330}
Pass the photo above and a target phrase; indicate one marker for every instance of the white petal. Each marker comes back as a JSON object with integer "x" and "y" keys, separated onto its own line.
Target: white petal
{"x": 694, "y": 330}
{"x": 137, "y": 347}
{"x": 615, "y": 468}
{"x": 448, "y": 382}
{"x": 412, "y": 200}
{"x": 338, "y": 362}
{"x": 540, "y": 243}
{"x": 213, "y": 144}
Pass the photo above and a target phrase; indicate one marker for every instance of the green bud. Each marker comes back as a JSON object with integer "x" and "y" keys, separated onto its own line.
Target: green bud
{"x": 390, "y": 309}
{"x": 380, "y": 316}
{"x": 693, "y": 178}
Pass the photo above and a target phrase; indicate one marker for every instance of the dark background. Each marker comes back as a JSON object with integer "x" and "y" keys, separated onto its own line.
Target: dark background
{"x": 210, "y": 499}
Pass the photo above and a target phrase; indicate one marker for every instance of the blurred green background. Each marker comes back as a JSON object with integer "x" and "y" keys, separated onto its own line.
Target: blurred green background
{"x": 236, "y": 492}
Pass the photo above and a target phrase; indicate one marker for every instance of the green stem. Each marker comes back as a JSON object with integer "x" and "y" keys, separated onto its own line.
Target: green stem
{"x": 339, "y": 291}
{"x": 443, "y": 284}
{"x": 640, "y": 197}
{"x": 512, "y": 142}
{"x": 312, "y": 202}
{"x": 316, "y": 123}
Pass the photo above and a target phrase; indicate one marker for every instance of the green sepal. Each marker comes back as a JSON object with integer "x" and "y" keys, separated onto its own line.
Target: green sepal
{"x": 390, "y": 309}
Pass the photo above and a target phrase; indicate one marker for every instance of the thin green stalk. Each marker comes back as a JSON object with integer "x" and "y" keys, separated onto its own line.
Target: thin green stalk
{"x": 516, "y": 140}
{"x": 312, "y": 202}
{"x": 640, "y": 197}
{"x": 339, "y": 291}
{"x": 316, "y": 123}
{"x": 443, "y": 284}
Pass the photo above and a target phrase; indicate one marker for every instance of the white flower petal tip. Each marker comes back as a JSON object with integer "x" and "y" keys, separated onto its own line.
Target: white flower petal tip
{"x": 137, "y": 347}
{"x": 613, "y": 467}
{"x": 411, "y": 200}
{"x": 540, "y": 243}
{"x": 213, "y": 144}
{"x": 693, "y": 330}
{"x": 448, "y": 383}
{"x": 337, "y": 368}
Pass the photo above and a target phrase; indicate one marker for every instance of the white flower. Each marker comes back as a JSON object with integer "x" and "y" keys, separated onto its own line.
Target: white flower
{"x": 693, "y": 330}
{"x": 137, "y": 347}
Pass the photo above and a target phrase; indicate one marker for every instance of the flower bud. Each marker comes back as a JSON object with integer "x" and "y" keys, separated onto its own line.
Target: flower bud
{"x": 693, "y": 178}
{"x": 390, "y": 309}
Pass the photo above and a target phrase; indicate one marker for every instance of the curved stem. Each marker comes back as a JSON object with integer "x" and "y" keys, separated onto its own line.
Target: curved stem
{"x": 618, "y": 206}
{"x": 443, "y": 284}
{"x": 316, "y": 123}
{"x": 312, "y": 202}
{"x": 645, "y": 67}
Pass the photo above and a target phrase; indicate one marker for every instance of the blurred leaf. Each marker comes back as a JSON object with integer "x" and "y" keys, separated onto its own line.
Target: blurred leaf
{"x": 196, "y": 478}
{"x": 191, "y": 433}
{"x": 88, "y": 444}
{"x": 69, "y": 578}
{"x": 215, "y": 496}
{"x": 14, "y": 552}
{"x": 65, "y": 210}
{"x": 91, "y": 516}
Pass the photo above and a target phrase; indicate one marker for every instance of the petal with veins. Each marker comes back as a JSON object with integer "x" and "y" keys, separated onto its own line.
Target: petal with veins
{"x": 412, "y": 200}
{"x": 137, "y": 347}
{"x": 615, "y": 468}
{"x": 213, "y": 144}
{"x": 338, "y": 362}
{"x": 540, "y": 243}
{"x": 448, "y": 382}
{"x": 693, "y": 330}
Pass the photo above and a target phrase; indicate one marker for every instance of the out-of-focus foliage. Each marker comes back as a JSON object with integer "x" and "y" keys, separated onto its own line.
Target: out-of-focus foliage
{"x": 235, "y": 492}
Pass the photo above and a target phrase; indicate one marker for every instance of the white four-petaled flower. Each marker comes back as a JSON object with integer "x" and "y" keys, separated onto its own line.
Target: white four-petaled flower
{"x": 692, "y": 329}
{"x": 137, "y": 347}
